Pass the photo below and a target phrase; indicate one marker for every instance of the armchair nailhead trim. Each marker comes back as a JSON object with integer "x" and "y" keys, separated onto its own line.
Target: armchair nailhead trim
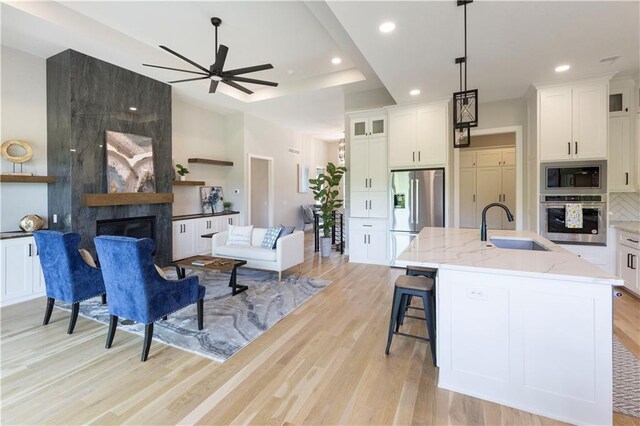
{"x": 172, "y": 312}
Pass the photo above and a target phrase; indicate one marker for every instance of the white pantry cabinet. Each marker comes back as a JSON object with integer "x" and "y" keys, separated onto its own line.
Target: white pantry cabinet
{"x": 622, "y": 155}
{"x": 487, "y": 176}
{"x": 418, "y": 136}
{"x": 21, "y": 274}
{"x": 368, "y": 177}
{"x": 368, "y": 241}
{"x": 572, "y": 122}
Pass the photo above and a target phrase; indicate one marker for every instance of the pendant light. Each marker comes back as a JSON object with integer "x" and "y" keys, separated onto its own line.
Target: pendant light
{"x": 465, "y": 102}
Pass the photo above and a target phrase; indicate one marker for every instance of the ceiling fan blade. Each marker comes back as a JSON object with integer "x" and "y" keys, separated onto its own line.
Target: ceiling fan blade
{"x": 174, "y": 69}
{"x": 213, "y": 86}
{"x": 251, "y": 80}
{"x": 185, "y": 59}
{"x": 189, "y": 79}
{"x": 221, "y": 57}
{"x": 237, "y": 86}
{"x": 246, "y": 70}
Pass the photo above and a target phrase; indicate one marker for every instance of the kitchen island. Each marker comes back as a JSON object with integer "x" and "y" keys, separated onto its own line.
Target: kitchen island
{"x": 529, "y": 328}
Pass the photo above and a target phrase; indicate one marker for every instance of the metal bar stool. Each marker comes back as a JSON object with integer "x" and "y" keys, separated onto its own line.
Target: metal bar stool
{"x": 418, "y": 271}
{"x": 405, "y": 287}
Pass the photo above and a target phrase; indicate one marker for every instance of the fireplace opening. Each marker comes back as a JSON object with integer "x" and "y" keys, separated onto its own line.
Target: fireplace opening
{"x": 136, "y": 227}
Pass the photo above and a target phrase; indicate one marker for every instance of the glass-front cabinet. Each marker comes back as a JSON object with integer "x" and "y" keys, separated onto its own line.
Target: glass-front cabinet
{"x": 368, "y": 126}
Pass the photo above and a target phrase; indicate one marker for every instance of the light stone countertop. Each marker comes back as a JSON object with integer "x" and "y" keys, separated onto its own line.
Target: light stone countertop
{"x": 626, "y": 226}
{"x": 461, "y": 249}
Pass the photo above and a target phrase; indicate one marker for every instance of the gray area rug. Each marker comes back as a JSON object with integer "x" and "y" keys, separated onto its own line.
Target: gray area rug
{"x": 626, "y": 380}
{"x": 230, "y": 323}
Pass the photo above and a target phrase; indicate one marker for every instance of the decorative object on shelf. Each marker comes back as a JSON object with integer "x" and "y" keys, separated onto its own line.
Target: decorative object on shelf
{"x": 227, "y": 205}
{"x": 216, "y": 72}
{"x": 182, "y": 171}
{"x": 465, "y": 101}
{"x": 325, "y": 192}
{"x": 205, "y": 199}
{"x": 31, "y": 223}
{"x": 130, "y": 163}
{"x": 342, "y": 145}
{"x": 212, "y": 199}
{"x": 303, "y": 178}
{"x": 17, "y": 159}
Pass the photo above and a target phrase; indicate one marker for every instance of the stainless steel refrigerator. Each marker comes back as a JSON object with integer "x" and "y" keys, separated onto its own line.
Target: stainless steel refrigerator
{"x": 418, "y": 201}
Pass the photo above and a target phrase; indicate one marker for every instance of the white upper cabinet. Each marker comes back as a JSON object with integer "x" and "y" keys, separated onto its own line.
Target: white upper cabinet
{"x": 363, "y": 127}
{"x": 418, "y": 136}
{"x": 573, "y": 122}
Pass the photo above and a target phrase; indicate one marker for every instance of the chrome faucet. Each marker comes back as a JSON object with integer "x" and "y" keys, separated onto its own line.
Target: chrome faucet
{"x": 483, "y": 227}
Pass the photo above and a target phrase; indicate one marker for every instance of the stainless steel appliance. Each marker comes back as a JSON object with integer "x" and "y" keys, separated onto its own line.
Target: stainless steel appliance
{"x": 418, "y": 201}
{"x": 573, "y": 178}
{"x": 552, "y": 219}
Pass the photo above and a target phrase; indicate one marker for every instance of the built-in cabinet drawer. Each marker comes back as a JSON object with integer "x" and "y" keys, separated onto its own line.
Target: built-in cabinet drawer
{"x": 21, "y": 274}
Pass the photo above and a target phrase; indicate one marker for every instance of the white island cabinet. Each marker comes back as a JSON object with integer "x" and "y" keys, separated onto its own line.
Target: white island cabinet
{"x": 528, "y": 329}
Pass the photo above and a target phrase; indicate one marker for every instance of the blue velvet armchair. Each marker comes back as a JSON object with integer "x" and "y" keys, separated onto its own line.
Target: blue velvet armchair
{"x": 136, "y": 291}
{"x": 67, "y": 276}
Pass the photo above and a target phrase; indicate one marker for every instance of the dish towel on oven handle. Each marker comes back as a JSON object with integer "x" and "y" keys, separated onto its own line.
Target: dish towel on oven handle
{"x": 573, "y": 215}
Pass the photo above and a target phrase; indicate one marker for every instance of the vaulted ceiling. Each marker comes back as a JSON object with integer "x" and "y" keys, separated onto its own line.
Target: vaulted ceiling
{"x": 511, "y": 45}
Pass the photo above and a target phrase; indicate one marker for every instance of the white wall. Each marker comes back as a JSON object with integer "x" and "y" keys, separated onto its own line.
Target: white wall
{"x": 24, "y": 117}
{"x": 197, "y": 133}
{"x": 271, "y": 140}
{"x": 259, "y": 192}
{"x": 510, "y": 112}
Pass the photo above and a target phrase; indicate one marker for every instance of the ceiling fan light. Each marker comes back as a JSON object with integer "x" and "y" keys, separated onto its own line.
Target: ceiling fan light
{"x": 215, "y": 78}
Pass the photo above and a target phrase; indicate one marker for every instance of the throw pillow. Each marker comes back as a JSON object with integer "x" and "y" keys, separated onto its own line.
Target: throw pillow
{"x": 239, "y": 235}
{"x": 286, "y": 230}
{"x": 86, "y": 256}
{"x": 271, "y": 237}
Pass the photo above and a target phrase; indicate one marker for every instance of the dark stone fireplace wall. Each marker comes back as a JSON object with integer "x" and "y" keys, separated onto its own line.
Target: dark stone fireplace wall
{"x": 85, "y": 98}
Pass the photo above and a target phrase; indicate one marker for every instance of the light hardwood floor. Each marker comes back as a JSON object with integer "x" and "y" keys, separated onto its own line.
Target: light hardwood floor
{"x": 322, "y": 364}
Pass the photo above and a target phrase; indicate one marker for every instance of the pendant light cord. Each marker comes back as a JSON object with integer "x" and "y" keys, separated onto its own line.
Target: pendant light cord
{"x": 465, "y": 47}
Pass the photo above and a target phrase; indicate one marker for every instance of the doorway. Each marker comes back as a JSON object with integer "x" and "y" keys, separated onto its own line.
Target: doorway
{"x": 260, "y": 191}
{"x": 489, "y": 171}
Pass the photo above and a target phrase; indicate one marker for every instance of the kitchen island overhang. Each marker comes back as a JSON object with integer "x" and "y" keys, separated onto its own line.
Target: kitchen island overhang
{"x": 528, "y": 329}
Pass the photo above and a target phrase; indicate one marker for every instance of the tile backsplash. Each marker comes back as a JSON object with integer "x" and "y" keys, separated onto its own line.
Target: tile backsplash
{"x": 624, "y": 206}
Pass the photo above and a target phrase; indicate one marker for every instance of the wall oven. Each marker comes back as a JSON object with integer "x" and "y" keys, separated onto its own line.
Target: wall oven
{"x": 553, "y": 215}
{"x": 573, "y": 178}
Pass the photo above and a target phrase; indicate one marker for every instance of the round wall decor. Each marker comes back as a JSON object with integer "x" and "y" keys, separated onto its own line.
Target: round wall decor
{"x": 16, "y": 158}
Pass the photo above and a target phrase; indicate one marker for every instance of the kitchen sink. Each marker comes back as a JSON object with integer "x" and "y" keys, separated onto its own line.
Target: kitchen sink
{"x": 517, "y": 244}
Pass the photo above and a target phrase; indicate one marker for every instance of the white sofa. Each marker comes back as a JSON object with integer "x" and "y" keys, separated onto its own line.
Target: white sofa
{"x": 289, "y": 251}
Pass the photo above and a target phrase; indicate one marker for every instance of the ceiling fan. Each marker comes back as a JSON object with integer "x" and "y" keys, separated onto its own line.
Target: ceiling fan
{"x": 216, "y": 72}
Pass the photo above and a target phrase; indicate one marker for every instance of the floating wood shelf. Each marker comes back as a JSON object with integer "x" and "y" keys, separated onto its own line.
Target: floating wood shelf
{"x": 188, "y": 183}
{"x": 27, "y": 179}
{"x": 126, "y": 198}
{"x": 208, "y": 161}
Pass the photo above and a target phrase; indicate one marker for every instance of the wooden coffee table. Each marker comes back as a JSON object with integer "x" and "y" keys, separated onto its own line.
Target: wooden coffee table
{"x": 219, "y": 264}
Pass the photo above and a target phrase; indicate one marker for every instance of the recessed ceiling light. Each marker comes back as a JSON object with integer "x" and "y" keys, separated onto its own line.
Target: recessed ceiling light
{"x": 133, "y": 108}
{"x": 562, "y": 68}
{"x": 414, "y": 92}
{"x": 336, "y": 61}
{"x": 387, "y": 27}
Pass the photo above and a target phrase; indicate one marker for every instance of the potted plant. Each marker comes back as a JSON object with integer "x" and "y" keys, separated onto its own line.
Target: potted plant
{"x": 325, "y": 192}
{"x": 227, "y": 206}
{"x": 182, "y": 171}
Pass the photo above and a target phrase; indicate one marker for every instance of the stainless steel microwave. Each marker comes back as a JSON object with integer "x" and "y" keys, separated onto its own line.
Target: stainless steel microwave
{"x": 573, "y": 178}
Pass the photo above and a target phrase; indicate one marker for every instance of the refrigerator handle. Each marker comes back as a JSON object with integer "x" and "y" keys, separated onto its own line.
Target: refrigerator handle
{"x": 417, "y": 202}
{"x": 411, "y": 200}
